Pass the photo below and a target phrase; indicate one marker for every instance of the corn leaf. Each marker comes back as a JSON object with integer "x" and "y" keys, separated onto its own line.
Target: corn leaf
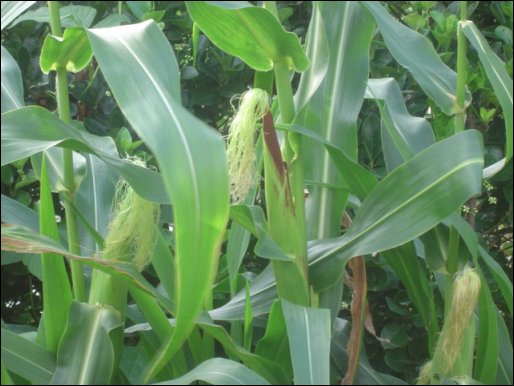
{"x": 414, "y": 52}
{"x": 27, "y": 359}
{"x": 32, "y": 129}
{"x": 86, "y": 353}
{"x": 412, "y": 194}
{"x": 308, "y": 330}
{"x": 250, "y": 33}
{"x": 498, "y": 76}
{"x": 12, "y": 86}
{"x": 57, "y": 293}
{"x": 191, "y": 157}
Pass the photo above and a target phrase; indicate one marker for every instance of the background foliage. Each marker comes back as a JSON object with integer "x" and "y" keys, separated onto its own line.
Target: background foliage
{"x": 208, "y": 83}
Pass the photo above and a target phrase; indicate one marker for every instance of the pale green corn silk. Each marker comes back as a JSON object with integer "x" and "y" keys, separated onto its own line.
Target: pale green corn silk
{"x": 466, "y": 288}
{"x": 133, "y": 229}
{"x": 241, "y": 147}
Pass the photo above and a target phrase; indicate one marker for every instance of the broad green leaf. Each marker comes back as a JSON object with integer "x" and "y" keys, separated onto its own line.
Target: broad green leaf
{"x": 331, "y": 110}
{"x": 394, "y": 335}
{"x": 19, "y": 239}
{"x": 86, "y": 354}
{"x": 308, "y": 330}
{"x": 498, "y": 76}
{"x": 252, "y": 218}
{"x": 71, "y": 51}
{"x": 365, "y": 374}
{"x": 27, "y": 359}
{"x": 57, "y": 293}
{"x": 11, "y": 10}
{"x": 71, "y": 16}
{"x": 403, "y": 135}
{"x": 413, "y": 194}
{"x": 414, "y": 52}
{"x": 33, "y": 129}
{"x": 191, "y": 157}
{"x": 250, "y": 33}
{"x": 219, "y": 371}
{"x": 12, "y": 86}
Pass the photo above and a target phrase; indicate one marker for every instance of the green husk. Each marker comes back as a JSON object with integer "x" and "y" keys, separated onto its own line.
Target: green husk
{"x": 466, "y": 288}
{"x": 241, "y": 148}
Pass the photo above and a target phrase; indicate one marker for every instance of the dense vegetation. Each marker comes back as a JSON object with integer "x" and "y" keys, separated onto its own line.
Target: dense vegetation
{"x": 398, "y": 140}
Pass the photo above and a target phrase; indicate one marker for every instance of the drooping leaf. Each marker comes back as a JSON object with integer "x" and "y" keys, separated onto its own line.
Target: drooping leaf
{"x": 403, "y": 135}
{"x": 19, "y": 239}
{"x": 500, "y": 80}
{"x": 219, "y": 371}
{"x": 414, "y": 52}
{"x": 250, "y": 33}
{"x": 32, "y": 129}
{"x": 412, "y": 194}
{"x": 191, "y": 157}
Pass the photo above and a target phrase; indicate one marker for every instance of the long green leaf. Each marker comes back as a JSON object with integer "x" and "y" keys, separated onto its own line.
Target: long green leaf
{"x": 498, "y": 76}
{"x": 308, "y": 330}
{"x": 27, "y": 359}
{"x": 19, "y": 239}
{"x": 32, "y": 129}
{"x": 413, "y": 194}
{"x": 12, "y": 86}
{"x": 414, "y": 52}
{"x": 331, "y": 110}
{"x": 190, "y": 154}
{"x": 57, "y": 293}
{"x": 250, "y": 33}
{"x": 86, "y": 353}
{"x": 219, "y": 371}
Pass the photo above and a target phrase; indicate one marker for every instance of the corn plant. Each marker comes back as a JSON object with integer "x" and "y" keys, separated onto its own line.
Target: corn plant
{"x": 288, "y": 176}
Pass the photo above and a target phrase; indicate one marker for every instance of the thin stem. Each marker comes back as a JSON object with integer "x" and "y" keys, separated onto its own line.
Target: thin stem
{"x": 460, "y": 117}
{"x": 63, "y": 106}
